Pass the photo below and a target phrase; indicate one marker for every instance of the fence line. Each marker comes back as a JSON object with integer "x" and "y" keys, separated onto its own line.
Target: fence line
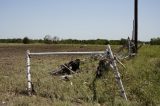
{"x": 28, "y": 56}
{"x": 108, "y": 53}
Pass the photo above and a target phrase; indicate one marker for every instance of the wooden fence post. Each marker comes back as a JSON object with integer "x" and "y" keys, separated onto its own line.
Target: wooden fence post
{"x": 29, "y": 88}
{"x": 129, "y": 46}
{"x": 116, "y": 72}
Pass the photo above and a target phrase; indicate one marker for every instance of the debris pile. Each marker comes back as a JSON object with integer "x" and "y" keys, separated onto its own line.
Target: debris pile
{"x": 68, "y": 68}
{"x": 102, "y": 67}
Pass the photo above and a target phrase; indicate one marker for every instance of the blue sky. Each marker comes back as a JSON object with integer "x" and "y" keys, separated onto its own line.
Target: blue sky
{"x": 78, "y": 19}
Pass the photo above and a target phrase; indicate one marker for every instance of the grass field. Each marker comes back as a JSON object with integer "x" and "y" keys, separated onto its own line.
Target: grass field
{"x": 141, "y": 78}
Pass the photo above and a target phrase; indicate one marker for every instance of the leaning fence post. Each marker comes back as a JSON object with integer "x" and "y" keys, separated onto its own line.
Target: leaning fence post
{"x": 29, "y": 88}
{"x": 116, "y": 73}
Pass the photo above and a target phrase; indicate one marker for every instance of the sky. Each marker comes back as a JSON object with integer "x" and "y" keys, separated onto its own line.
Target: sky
{"x": 78, "y": 19}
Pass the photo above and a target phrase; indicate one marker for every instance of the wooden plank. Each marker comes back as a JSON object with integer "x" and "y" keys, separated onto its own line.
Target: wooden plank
{"x": 68, "y": 53}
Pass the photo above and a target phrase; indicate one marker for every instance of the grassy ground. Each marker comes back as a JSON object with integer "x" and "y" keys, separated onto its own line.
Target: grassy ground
{"x": 141, "y": 78}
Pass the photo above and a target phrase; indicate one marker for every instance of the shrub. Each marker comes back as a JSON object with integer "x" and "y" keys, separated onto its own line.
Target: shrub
{"x": 26, "y": 40}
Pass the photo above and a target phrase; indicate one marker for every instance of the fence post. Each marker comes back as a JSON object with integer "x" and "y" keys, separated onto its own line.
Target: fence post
{"x": 116, "y": 73}
{"x": 29, "y": 88}
{"x": 129, "y": 46}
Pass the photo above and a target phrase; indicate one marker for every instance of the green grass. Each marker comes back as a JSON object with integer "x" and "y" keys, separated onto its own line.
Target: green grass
{"x": 141, "y": 80}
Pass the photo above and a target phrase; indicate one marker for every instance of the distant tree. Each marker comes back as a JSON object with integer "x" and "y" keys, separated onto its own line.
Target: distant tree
{"x": 55, "y": 39}
{"x": 48, "y": 39}
{"x": 91, "y": 41}
{"x": 26, "y": 40}
{"x": 40, "y": 41}
{"x": 123, "y": 41}
{"x": 14, "y": 40}
{"x": 155, "y": 41}
{"x": 114, "y": 42}
{"x": 101, "y": 41}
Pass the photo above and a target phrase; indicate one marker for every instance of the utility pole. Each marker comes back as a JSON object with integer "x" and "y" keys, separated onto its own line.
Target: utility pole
{"x": 136, "y": 25}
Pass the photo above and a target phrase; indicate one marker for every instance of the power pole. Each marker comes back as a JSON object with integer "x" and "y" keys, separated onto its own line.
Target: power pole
{"x": 136, "y": 25}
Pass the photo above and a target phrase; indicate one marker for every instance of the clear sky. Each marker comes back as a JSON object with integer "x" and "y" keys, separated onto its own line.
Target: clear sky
{"x": 78, "y": 19}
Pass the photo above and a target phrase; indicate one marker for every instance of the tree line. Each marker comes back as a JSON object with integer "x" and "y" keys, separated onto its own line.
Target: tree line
{"x": 155, "y": 41}
{"x": 56, "y": 40}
